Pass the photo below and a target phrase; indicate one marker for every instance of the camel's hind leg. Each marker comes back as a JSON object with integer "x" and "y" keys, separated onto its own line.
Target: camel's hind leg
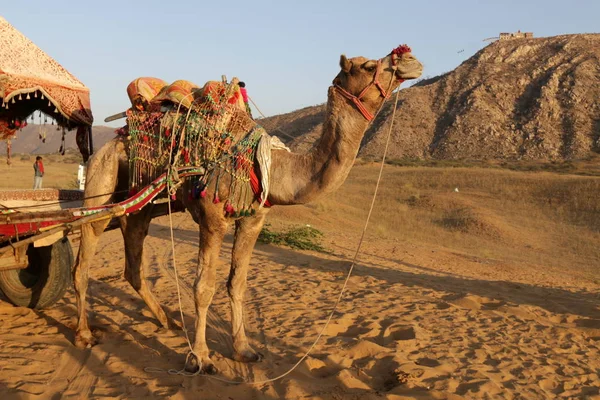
{"x": 101, "y": 182}
{"x": 135, "y": 230}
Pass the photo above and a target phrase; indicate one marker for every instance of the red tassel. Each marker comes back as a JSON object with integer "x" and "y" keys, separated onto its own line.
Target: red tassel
{"x": 203, "y": 193}
{"x": 216, "y": 199}
{"x": 401, "y": 50}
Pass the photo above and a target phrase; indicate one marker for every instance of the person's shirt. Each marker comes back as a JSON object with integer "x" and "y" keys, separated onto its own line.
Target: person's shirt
{"x": 36, "y": 168}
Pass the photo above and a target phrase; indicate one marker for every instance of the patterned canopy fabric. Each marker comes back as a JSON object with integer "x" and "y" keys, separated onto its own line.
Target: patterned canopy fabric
{"x": 31, "y": 80}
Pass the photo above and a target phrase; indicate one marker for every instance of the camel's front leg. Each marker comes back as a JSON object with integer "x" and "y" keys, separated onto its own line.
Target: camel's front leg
{"x": 101, "y": 182}
{"x": 246, "y": 233}
{"x": 212, "y": 230}
{"x": 135, "y": 229}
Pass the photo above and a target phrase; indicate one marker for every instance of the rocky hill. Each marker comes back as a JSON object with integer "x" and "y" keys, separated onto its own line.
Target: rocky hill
{"x": 522, "y": 98}
{"x": 515, "y": 99}
{"x": 28, "y": 140}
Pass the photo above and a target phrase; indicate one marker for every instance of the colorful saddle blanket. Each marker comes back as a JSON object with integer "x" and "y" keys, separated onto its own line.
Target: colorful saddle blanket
{"x": 204, "y": 127}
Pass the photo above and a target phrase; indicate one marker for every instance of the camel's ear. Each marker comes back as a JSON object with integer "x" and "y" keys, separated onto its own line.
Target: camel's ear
{"x": 345, "y": 64}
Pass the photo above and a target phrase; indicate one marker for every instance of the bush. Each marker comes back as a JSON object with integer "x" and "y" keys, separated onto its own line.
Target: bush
{"x": 298, "y": 237}
{"x": 458, "y": 219}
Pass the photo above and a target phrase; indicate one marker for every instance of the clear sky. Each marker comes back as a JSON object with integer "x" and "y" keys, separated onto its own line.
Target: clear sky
{"x": 286, "y": 52}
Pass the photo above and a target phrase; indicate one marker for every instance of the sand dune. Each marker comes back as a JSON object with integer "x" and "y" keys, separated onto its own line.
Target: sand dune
{"x": 413, "y": 324}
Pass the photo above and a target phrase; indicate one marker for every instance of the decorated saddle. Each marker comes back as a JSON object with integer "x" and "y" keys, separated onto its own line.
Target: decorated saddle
{"x": 184, "y": 125}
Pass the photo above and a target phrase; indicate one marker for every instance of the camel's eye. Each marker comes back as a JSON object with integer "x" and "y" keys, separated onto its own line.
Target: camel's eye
{"x": 369, "y": 66}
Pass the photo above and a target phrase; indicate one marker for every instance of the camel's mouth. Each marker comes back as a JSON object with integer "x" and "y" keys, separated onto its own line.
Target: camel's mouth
{"x": 414, "y": 74}
{"x": 409, "y": 67}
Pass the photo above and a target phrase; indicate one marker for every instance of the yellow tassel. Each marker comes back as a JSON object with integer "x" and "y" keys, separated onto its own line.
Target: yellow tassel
{"x": 20, "y": 97}
{"x": 35, "y": 94}
{"x": 55, "y": 110}
{"x": 28, "y": 96}
{"x": 49, "y": 104}
{"x": 42, "y": 96}
{"x": 13, "y": 100}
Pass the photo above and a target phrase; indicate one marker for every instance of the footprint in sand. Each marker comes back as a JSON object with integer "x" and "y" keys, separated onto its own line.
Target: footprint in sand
{"x": 398, "y": 332}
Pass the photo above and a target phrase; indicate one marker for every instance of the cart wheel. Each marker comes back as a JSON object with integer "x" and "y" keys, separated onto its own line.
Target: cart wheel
{"x": 44, "y": 281}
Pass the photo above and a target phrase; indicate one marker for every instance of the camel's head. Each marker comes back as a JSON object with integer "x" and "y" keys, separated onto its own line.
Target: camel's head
{"x": 370, "y": 81}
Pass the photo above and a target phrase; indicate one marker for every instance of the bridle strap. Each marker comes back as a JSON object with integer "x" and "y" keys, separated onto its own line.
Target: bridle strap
{"x": 361, "y": 107}
{"x": 357, "y": 99}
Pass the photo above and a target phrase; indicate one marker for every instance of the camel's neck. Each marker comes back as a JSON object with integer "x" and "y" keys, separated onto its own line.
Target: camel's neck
{"x": 300, "y": 178}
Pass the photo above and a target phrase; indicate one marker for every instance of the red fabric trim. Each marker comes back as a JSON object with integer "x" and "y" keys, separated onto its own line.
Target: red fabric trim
{"x": 25, "y": 228}
{"x": 256, "y": 187}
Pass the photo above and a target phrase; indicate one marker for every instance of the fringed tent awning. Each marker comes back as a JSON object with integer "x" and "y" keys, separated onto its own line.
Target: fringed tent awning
{"x": 31, "y": 80}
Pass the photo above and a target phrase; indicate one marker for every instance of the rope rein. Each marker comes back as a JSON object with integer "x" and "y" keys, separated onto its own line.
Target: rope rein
{"x": 338, "y": 300}
{"x": 263, "y": 115}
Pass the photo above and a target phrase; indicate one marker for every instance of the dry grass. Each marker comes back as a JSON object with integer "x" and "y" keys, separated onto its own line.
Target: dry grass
{"x": 589, "y": 166}
{"x": 535, "y": 218}
{"x": 61, "y": 172}
{"x": 547, "y": 219}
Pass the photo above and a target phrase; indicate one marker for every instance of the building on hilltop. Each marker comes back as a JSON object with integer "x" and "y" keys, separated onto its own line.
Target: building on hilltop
{"x": 515, "y": 35}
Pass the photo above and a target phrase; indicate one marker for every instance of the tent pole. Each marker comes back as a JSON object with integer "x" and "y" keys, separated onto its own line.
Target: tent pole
{"x": 90, "y": 140}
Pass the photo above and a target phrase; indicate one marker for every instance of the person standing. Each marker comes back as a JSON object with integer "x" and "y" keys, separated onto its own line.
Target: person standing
{"x": 38, "y": 168}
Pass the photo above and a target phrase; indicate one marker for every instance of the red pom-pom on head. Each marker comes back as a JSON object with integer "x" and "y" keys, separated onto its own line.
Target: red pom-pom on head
{"x": 401, "y": 50}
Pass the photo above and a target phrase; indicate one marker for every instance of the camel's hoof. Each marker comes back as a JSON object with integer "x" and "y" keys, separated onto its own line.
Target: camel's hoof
{"x": 209, "y": 369}
{"x": 85, "y": 340}
{"x": 248, "y": 356}
{"x": 206, "y": 367}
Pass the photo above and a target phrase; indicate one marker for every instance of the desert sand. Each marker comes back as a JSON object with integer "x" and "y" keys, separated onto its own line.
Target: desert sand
{"x": 418, "y": 320}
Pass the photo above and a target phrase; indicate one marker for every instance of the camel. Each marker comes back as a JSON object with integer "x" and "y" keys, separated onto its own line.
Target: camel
{"x": 358, "y": 91}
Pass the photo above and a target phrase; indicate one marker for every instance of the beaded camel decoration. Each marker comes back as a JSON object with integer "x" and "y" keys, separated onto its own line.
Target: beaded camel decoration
{"x": 203, "y": 128}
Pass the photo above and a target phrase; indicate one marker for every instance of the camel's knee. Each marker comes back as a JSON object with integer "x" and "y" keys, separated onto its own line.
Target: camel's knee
{"x": 236, "y": 284}
{"x": 80, "y": 277}
{"x": 134, "y": 278}
{"x": 204, "y": 292}
{"x": 204, "y": 297}
{"x": 236, "y": 290}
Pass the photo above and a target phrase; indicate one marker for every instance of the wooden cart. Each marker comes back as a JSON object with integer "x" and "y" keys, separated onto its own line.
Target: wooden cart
{"x": 35, "y": 254}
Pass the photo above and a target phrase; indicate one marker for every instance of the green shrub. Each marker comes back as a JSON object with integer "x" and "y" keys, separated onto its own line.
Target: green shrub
{"x": 297, "y": 237}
